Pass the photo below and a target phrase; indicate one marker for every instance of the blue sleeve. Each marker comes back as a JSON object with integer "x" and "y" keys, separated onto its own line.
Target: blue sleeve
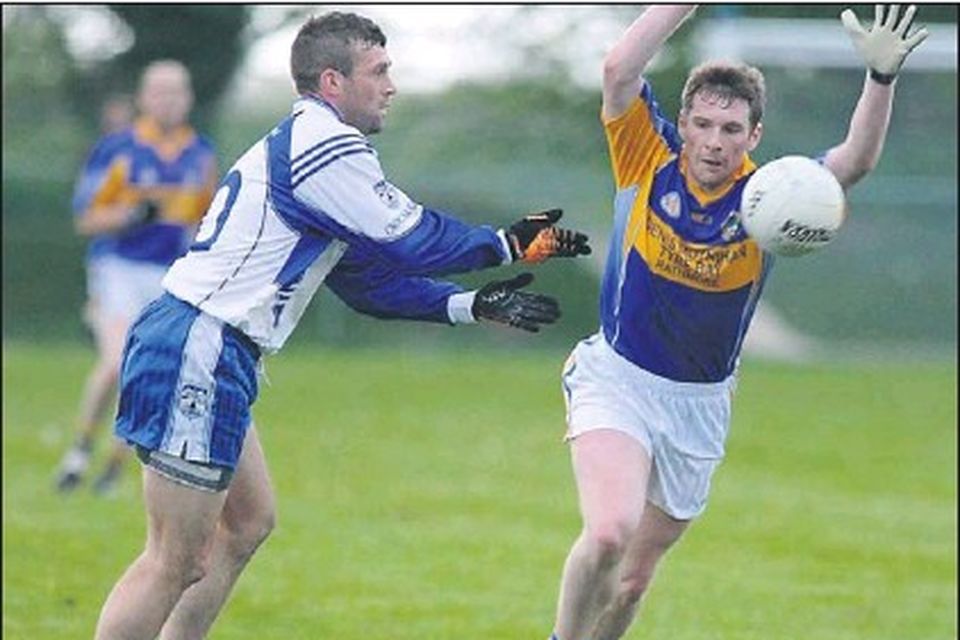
{"x": 95, "y": 170}
{"x": 661, "y": 123}
{"x": 440, "y": 244}
{"x": 374, "y": 288}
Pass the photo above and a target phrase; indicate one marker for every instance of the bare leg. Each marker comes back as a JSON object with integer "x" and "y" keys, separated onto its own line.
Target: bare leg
{"x": 180, "y": 533}
{"x": 98, "y": 394}
{"x": 247, "y": 519}
{"x": 611, "y": 470}
{"x": 656, "y": 533}
{"x": 107, "y": 480}
{"x": 97, "y": 399}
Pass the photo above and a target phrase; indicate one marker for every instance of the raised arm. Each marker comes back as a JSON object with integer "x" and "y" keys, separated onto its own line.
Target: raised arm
{"x": 883, "y": 48}
{"x": 627, "y": 60}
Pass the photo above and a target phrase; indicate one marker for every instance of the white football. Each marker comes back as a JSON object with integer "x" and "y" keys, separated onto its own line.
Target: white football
{"x": 792, "y": 206}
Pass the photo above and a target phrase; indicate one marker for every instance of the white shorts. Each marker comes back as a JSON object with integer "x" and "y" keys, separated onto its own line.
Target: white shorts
{"x": 122, "y": 288}
{"x": 682, "y": 425}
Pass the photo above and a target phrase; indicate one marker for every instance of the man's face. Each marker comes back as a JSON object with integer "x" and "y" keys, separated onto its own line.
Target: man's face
{"x": 716, "y": 134}
{"x": 165, "y": 95}
{"x": 366, "y": 93}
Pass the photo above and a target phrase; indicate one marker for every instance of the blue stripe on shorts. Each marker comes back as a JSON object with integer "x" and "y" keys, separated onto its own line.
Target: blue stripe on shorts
{"x": 187, "y": 383}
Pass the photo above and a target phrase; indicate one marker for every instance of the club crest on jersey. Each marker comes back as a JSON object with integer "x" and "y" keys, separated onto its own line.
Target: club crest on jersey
{"x": 731, "y": 227}
{"x": 193, "y": 401}
{"x": 670, "y": 203}
{"x": 387, "y": 193}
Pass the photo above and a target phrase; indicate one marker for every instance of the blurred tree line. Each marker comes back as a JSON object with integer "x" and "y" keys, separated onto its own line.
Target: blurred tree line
{"x": 465, "y": 150}
{"x": 42, "y": 78}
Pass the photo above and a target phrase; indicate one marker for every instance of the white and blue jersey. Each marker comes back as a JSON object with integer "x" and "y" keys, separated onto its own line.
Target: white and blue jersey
{"x": 285, "y": 215}
{"x": 307, "y": 204}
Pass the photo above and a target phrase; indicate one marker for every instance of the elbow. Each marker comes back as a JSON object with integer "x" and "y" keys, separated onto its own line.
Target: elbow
{"x": 615, "y": 72}
{"x": 858, "y": 171}
{"x": 82, "y": 227}
{"x": 868, "y": 165}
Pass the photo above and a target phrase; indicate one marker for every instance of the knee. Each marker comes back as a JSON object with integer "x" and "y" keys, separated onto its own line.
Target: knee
{"x": 608, "y": 541}
{"x": 183, "y": 569}
{"x": 243, "y": 539}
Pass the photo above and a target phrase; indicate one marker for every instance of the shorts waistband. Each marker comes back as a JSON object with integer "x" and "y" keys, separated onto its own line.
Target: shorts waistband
{"x": 659, "y": 383}
{"x": 240, "y": 336}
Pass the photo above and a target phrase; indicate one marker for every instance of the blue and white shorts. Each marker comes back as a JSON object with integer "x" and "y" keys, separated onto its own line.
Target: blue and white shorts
{"x": 682, "y": 425}
{"x": 122, "y": 288}
{"x": 187, "y": 383}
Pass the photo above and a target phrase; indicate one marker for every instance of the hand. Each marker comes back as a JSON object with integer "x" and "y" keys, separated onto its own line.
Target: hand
{"x": 502, "y": 301}
{"x": 533, "y": 238}
{"x": 887, "y": 44}
{"x": 144, "y": 213}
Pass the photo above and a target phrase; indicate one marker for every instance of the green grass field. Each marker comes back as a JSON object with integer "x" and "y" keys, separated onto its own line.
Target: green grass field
{"x": 428, "y": 496}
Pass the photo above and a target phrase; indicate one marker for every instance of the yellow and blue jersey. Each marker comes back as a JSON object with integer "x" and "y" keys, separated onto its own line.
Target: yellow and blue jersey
{"x": 177, "y": 170}
{"x": 682, "y": 278}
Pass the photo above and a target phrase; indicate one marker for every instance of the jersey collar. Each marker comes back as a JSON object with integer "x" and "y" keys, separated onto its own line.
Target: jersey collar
{"x": 168, "y": 144}
{"x": 314, "y": 98}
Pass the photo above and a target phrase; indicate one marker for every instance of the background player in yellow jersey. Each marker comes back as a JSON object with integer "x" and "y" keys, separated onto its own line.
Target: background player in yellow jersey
{"x": 648, "y": 397}
{"x": 138, "y": 198}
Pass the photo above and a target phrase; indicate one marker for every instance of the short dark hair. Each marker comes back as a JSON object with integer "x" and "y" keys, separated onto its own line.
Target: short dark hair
{"x": 728, "y": 81}
{"x": 326, "y": 42}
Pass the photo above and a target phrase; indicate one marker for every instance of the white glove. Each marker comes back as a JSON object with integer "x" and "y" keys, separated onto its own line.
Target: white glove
{"x": 886, "y": 45}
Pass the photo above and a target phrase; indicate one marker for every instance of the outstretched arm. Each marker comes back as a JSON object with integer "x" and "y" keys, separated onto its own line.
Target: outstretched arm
{"x": 626, "y": 61}
{"x": 373, "y": 288}
{"x": 883, "y": 48}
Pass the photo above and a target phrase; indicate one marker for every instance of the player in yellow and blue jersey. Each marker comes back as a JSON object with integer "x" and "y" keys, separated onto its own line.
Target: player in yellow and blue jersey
{"x": 648, "y": 396}
{"x": 139, "y": 197}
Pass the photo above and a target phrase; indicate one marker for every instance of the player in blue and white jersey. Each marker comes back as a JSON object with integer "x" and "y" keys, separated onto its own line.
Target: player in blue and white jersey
{"x": 139, "y": 197}
{"x": 306, "y": 205}
{"x": 648, "y": 397}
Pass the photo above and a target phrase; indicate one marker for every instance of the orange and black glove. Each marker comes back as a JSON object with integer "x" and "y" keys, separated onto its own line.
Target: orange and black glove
{"x": 534, "y": 238}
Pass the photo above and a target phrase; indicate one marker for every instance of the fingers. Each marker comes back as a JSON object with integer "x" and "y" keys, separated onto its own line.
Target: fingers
{"x": 519, "y": 282}
{"x": 539, "y": 307}
{"x": 572, "y": 243}
{"x": 553, "y": 243}
{"x": 890, "y": 20}
{"x": 906, "y": 21}
{"x": 544, "y": 218}
{"x": 914, "y": 41}
{"x": 851, "y": 23}
{"x": 533, "y": 310}
{"x": 553, "y": 215}
{"x": 877, "y": 16}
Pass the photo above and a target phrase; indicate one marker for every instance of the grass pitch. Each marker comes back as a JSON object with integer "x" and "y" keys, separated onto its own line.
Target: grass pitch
{"x": 428, "y": 496}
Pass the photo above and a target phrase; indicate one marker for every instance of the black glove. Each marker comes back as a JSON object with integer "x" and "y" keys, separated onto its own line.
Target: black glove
{"x": 534, "y": 238}
{"x": 144, "y": 213}
{"x": 501, "y": 301}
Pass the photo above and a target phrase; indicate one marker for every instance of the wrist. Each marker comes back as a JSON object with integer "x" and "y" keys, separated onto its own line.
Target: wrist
{"x": 885, "y": 79}
{"x": 505, "y": 244}
{"x": 460, "y": 307}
